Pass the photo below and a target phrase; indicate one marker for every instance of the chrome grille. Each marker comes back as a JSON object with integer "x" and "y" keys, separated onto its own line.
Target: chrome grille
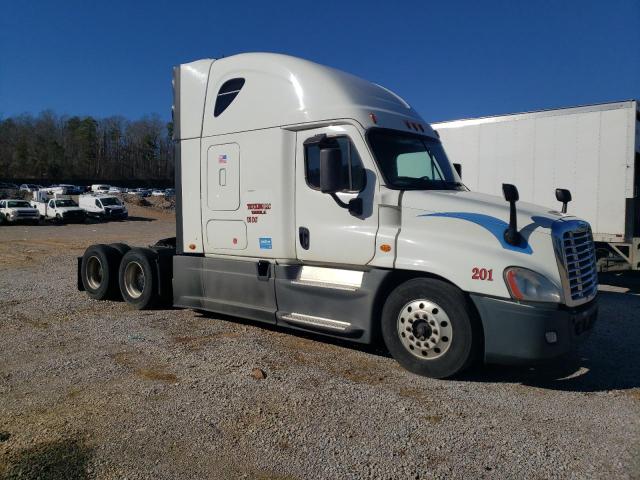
{"x": 580, "y": 263}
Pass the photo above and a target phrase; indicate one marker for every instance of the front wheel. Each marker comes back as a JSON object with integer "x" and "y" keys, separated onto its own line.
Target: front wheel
{"x": 430, "y": 329}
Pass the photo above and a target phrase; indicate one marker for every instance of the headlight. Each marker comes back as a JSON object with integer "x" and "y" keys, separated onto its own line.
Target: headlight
{"x": 524, "y": 284}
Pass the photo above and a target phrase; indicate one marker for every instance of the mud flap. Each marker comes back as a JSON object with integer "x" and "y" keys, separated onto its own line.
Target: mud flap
{"x": 80, "y": 284}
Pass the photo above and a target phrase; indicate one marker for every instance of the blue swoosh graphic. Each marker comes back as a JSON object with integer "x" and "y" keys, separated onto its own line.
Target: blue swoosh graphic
{"x": 494, "y": 225}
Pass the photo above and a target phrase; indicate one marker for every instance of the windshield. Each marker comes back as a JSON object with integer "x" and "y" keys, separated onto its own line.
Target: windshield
{"x": 65, "y": 203}
{"x": 18, "y": 204}
{"x": 110, "y": 201}
{"x": 412, "y": 162}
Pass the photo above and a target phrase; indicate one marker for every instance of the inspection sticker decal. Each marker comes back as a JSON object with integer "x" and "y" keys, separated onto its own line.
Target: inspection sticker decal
{"x": 265, "y": 243}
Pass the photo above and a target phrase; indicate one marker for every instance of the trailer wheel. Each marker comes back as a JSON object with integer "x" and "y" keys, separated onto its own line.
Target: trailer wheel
{"x": 138, "y": 278}
{"x": 429, "y": 328}
{"x": 99, "y": 271}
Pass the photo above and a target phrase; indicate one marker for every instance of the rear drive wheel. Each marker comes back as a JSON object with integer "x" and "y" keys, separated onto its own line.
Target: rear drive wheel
{"x": 138, "y": 278}
{"x": 99, "y": 271}
{"x": 429, "y": 328}
{"x": 122, "y": 248}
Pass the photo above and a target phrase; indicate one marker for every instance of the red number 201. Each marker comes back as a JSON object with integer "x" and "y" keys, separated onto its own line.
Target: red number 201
{"x": 482, "y": 274}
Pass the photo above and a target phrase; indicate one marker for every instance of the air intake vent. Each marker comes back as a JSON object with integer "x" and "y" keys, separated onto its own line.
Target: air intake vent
{"x": 580, "y": 263}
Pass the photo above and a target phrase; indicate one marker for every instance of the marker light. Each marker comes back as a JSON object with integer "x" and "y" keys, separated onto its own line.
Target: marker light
{"x": 525, "y": 284}
{"x": 373, "y": 118}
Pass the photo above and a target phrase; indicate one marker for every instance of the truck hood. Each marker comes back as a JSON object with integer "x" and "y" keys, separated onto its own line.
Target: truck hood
{"x": 488, "y": 211}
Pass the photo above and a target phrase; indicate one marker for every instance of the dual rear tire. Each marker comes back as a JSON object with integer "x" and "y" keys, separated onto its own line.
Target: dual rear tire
{"x": 109, "y": 272}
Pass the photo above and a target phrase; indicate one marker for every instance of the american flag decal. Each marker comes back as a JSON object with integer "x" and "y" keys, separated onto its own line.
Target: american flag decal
{"x": 222, "y": 159}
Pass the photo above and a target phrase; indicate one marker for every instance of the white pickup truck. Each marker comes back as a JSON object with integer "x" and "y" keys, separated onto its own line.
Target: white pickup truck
{"x": 60, "y": 209}
{"x": 14, "y": 211}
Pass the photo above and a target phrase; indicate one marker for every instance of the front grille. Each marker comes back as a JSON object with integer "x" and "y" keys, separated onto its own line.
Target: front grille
{"x": 580, "y": 263}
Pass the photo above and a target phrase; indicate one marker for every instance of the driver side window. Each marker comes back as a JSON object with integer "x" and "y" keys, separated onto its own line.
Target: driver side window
{"x": 98, "y": 204}
{"x": 353, "y": 170}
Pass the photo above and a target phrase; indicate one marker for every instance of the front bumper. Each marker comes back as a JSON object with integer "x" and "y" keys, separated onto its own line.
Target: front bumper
{"x": 118, "y": 215}
{"x": 22, "y": 218}
{"x": 519, "y": 333}
{"x": 74, "y": 216}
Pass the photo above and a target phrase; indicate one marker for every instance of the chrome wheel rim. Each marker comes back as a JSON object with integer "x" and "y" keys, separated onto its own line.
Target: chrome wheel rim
{"x": 424, "y": 329}
{"x": 134, "y": 279}
{"x": 94, "y": 272}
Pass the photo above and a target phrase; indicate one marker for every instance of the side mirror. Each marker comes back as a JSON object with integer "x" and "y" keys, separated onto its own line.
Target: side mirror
{"x": 330, "y": 170}
{"x": 563, "y": 196}
{"x": 511, "y": 234}
{"x": 510, "y": 192}
{"x": 458, "y": 169}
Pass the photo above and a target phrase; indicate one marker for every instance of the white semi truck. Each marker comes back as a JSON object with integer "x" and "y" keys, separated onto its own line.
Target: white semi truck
{"x": 593, "y": 150}
{"x": 315, "y": 200}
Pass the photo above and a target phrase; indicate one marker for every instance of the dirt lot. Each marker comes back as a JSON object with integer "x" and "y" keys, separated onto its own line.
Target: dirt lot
{"x": 95, "y": 390}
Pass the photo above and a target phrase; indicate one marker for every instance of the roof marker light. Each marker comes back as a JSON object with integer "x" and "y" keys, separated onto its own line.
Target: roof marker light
{"x": 373, "y": 118}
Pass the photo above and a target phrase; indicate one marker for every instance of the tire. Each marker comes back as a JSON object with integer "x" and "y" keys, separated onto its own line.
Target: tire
{"x": 138, "y": 278}
{"x": 122, "y": 248}
{"x": 99, "y": 272}
{"x": 430, "y": 329}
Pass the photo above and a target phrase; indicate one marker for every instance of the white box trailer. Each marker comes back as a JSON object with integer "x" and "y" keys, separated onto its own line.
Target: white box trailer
{"x": 314, "y": 200}
{"x": 594, "y": 151}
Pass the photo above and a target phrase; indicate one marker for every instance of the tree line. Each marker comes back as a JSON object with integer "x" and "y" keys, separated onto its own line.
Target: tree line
{"x": 50, "y": 148}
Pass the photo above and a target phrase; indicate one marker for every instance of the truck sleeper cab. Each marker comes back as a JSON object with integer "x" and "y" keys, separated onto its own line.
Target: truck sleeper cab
{"x": 315, "y": 200}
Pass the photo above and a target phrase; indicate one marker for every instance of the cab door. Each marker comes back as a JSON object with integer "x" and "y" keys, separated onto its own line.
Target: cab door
{"x": 326, "y": 232}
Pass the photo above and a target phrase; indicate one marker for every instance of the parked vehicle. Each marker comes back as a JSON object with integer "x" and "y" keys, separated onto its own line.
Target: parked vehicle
{"x": 157, "y": 193}
{"x": 117, "y": 190}
{"x": 593, "y": 150}
{"x": 8, "y": 186}
{"x": 103, "y": 206}
{"x": 56, "y": 190}
{"x": 140, "y": 192}
{"x": 315, "y": 200}
{"x": 170, "y": 192}
{"x": 29, "y": 187}
{"x": 100, "y": 188}
{"x": 61, "y": 208}
{"x": 16, "y": 211}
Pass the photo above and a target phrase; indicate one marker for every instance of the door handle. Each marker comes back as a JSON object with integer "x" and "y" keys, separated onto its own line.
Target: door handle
{"x": 303, "y": 233}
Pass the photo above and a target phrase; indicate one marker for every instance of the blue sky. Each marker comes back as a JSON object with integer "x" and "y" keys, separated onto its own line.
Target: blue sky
{"x": 449, "y": 59}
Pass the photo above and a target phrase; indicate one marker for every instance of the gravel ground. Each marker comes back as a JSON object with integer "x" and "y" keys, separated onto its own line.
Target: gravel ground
{"x": 96, "y": 390}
